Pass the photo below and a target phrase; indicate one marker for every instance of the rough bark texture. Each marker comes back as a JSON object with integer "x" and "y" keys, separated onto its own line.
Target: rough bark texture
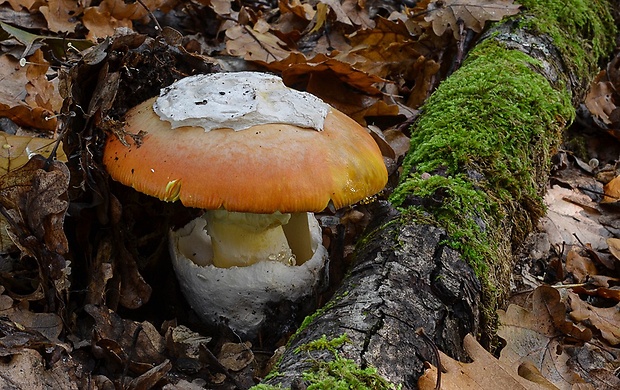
{"x": 405, "y": 279}
{"x": 406, "y": 276}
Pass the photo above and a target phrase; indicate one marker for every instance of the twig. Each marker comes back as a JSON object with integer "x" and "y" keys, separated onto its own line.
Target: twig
{"x": 431, "y": 344}
{"x": 158, "y": 26}
{"x": 247, "y": 29}
{"x": 132, "y": 352}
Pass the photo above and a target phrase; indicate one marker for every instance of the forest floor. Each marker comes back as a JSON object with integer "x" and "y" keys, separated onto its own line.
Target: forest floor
{"x": 83, "y": 307}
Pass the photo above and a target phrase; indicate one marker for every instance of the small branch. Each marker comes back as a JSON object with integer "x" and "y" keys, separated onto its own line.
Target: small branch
{"x": 431, "y": 344}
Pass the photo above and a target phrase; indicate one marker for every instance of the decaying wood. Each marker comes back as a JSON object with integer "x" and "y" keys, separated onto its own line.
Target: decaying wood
{"x": 406, "y": 277}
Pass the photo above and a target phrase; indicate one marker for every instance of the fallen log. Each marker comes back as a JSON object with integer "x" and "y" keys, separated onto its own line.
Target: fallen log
{"x": 439, "y": 257}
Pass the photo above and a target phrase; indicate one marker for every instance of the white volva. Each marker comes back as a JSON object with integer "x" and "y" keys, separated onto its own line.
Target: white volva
{"x": 238, "y": 296}
{"x": 238, "y": 101}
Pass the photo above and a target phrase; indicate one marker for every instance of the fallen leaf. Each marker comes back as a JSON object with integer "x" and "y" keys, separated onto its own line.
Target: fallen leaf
{"x": 534, "y": 336}
{"x": 255, "y": 43}
{"x": 34, "y": 199}
{"x": 297, "y": 69}
{"x": 567, "y": 223}
{"x": 612, "y": 191}
{"x": 15, "y": 151}
{"x": 19, "y": 5}
{"x": 386, "y": 50}
{"x": 42, "y": 92}
{"x": 236, "y": 356}
{"x": 606, "y": 320}
{"x": 614, "y": 246}
{"x": 580, "y": 266}
{"x": 185, "y": 343}
{"x": 446, "y": 14}
{"x": 484, "y": 373}
{"x": 149, "y": 379}
{"x": 101, "y": 24}
{"x": 28, "y": 370}
{"x": 61, "y": 15}
{"x": 12, "y": 96}
{"x": 607, "y": 293}
{"x": 116, "y": 338}
{"x": 296, "y": 7}
{"x": 599, "y": 99}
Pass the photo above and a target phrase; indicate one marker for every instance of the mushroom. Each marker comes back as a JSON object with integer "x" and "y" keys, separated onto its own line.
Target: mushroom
{"x": 260, "y": 158}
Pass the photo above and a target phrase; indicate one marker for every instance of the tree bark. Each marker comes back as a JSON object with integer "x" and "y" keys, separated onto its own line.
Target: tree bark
{"x": 407, "y": 276}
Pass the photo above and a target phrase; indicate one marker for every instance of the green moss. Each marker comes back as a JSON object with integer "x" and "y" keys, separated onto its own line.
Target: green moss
{"x": 583, "y": 30}
{"x": 340, "y": 373}
{"x": 477, "y": 148}
{"x": 323, "y": 344}
{"x": 481, "y": 148}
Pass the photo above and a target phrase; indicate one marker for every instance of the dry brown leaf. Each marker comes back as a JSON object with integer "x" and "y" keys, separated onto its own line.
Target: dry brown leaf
{"x": 386, "y": 50}
{"x": 533, "y": 336}
{"x": 614, "y": 246}
{"x": 101, "y": 24}
{"x": 297, "y": 69}
{"x": 599, "y": 99}
{"x": 149, "y": 379}
{"x": 606, "y": 320}
{"x": 20, "y": 5}
{"x": 568, "y": 223}
{"x": 42, "y": 92}
{"x": 357, "y": 13}
{"x": 15, "y": 151}
{"x": 13, "y": 91}
{"x": 61, "y": 15}
{"x": 336, "y": 8}
{"x": 484, "y": 373}
{"x": 255, "y": 44}
{"x": 221, "y": 7}
{"x": 236, "y": 356}
{"x": 299, "y": 9}
{"x": 398, "y": 141}
{"x": 28, "y": 370}
{"x": 580, "y": 266}
{"x": 35, "y": 200}
{"x": 612, "y": 191}
{"x": 116, "y": 338}
{"x": 322, "y": 10}
{"x": 603, "y": 292}
{"x": 122, "y": 10}
{"x": 474, "y": 14}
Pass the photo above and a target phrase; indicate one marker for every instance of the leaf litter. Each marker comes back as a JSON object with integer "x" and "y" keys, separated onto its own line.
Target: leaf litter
{"x": 83, "y": 303}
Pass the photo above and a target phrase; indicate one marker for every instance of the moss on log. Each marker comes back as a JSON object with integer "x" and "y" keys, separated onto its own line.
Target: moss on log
{"x": 471, "y": 190}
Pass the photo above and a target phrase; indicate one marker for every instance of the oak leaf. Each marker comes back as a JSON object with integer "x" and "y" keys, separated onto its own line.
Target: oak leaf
{"x": 473, "y": 14}
{"x": 256, "y": 43}
{"x": 20, "y": 5}
{"x": 605, "y": 319}
{"x": 302, "y": 10}
{"x": 484, "y": 373}
{"x": 41, "y": 91}
{"x": 534, "y": 336}
{"x": 61, "y": 15}
{"x": 580, "y": 266}
{"x": 14, "y": 80}
{"x": 101, "y": 24}
{"x": 599, "y": 99}
{"x": 34, "y": 201}
{"x": 612, "y": 191}
{"x": 384, "y": 50}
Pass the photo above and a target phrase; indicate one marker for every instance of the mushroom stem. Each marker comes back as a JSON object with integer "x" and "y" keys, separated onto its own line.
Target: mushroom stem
{"x": 242, "y": 239}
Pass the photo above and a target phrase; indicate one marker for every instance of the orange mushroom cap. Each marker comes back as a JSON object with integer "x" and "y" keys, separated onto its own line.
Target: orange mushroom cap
{"x": 262, "y": 169}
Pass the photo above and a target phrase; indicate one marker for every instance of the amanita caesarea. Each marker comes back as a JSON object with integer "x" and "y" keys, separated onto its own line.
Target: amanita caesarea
{"x": 260, "y": 158}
